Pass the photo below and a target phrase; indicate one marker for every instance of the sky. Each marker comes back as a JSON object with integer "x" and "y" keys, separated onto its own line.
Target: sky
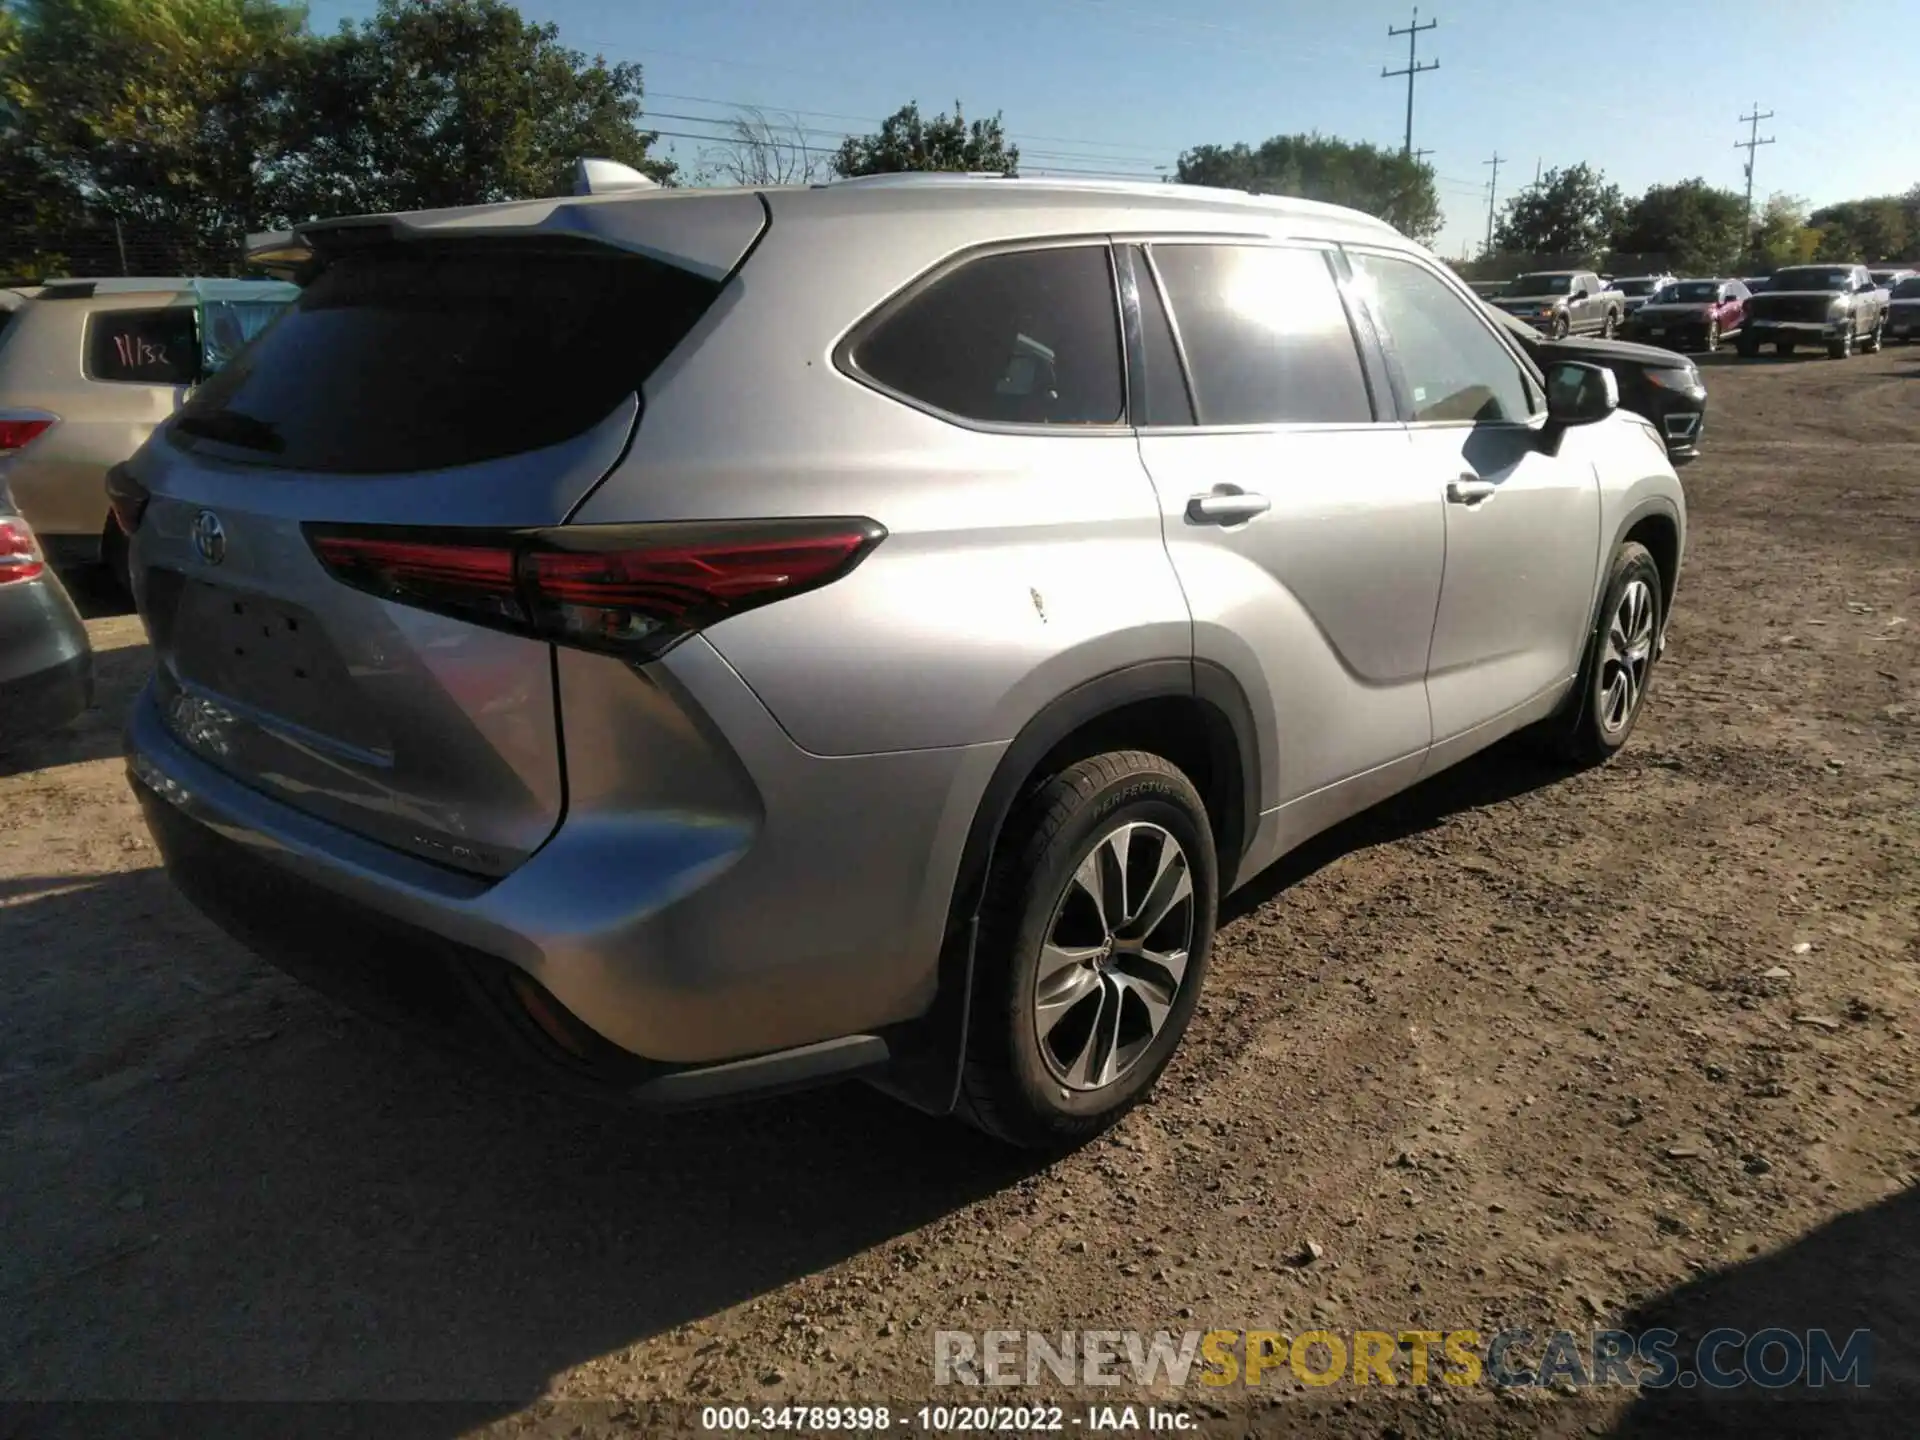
{"x": 1123, "y": 86}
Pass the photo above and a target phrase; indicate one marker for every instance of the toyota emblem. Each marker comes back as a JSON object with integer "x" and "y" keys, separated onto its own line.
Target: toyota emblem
{"x": 209, "y": 537}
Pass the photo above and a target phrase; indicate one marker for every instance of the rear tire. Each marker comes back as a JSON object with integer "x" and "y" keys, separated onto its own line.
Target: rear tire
{"x": 1618, "y": 666}
{"x": 1077, "y": 1006}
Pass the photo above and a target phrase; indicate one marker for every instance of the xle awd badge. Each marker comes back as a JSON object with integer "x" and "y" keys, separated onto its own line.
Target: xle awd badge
{"x": 209, "y": 537}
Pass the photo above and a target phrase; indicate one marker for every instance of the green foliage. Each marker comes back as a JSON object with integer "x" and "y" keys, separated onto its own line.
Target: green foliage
{"x": 193, "y": 122}
{"x": 435, "y": 103}
{"x": 1364, "y": 177}
{"x": 1701, "y": 230}
{"x": 907, "y": 141}
{"x": 1879, "y": 228}
{"x": 1571, "y": 212}
{"x": 1782, "y": 235}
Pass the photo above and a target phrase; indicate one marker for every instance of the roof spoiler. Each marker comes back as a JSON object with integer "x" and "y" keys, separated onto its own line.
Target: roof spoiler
{"x": 281, "y": 253}
{"x": 601, "y": 177}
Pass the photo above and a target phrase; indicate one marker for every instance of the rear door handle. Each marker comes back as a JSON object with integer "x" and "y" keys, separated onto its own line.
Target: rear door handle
{"x": 1226, "y": 507}
{"x": 1470, "y": 490}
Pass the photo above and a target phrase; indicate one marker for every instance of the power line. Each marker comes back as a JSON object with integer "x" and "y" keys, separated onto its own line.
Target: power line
{"x": 1752, "y": 143}
{"x": 1493, "y": 188}
{"x": 1414, "y": 67}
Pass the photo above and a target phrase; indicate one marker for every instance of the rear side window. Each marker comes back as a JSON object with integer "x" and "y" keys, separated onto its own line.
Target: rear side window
{"x": 143, "y": 347}
{"x": 1030, "y": 337}
{"x": 1266, "y": 335}
{"x": 421, "y": 357}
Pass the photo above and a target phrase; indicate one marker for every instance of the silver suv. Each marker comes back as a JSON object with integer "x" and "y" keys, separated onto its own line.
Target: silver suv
{"x": 729, "y": 640}
{"x": 88, "y": 368}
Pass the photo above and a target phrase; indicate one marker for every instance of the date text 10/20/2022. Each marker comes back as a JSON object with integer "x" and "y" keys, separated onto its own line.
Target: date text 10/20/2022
{"x": 940, "y": 1419}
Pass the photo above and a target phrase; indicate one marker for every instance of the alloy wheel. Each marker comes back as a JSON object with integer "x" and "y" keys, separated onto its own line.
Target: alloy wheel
{"x": 1115, "y": 956}
{"x": 1628, "y": 654}
{"x": 1713, "y": 335}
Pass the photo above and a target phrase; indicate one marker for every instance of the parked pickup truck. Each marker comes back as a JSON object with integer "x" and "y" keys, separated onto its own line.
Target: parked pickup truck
{"x": 1559, "y": 303}
{"x": 1837, "y": 306}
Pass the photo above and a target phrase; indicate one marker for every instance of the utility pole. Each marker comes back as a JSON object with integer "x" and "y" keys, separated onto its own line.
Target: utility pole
{"x": 1752, "y": 143}
{"x": 1414, "y": 67}
{"x": 1493, "y": 189}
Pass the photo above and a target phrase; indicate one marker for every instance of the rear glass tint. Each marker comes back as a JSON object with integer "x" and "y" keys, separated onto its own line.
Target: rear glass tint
{"x": 144, "y": 347}
{"x": 421, "y": 357}
{"x": 1026, "y": 338}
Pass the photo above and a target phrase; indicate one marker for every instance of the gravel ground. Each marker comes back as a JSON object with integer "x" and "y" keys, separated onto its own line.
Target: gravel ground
{"x": 1521, "y": 1049}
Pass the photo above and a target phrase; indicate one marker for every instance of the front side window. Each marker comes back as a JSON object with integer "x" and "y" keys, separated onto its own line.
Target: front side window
{"x": 1266, "y": 335}
{"x": 158, "y": 346}
{"x": 1453, "y": 367}
{"x": 1028, "y": 337}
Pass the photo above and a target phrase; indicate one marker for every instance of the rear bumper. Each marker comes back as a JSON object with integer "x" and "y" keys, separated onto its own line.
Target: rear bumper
{"x": 671, "y": 958}
{"x": 45, "y": 700}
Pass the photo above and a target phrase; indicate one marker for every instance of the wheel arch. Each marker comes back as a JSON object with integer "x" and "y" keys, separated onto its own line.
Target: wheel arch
{"x": 1193, "y": 708}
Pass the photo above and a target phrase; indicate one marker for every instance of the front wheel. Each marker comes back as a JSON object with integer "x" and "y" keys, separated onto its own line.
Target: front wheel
{"x": 1783, "y": 347}
{"x": 1561, "y": 325}
{"x": 1749, "y": 349}
{"x": 1876, "y": 336}
{"x": 1619, "y": 661}
{"x": 1607, "y": 327}
{"x": 1842, "y": 348}
{"x": 1098, "y": 921}
{"x": 1713, "y": 336}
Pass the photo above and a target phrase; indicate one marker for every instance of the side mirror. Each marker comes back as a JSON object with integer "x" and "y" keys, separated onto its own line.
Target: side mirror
{"x": 1580, "y": 394}
{"x": 1579, "y": 294}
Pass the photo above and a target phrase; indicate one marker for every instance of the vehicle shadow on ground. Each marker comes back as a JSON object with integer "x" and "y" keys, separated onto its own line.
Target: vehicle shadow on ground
{"x": 217, "y": 1184}
{"x": 1860, "y": 1271}
{"x": 96, "y": 593}
{"x": 1513, "y": 767}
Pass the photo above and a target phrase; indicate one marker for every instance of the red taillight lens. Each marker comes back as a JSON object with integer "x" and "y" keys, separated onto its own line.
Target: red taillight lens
{"x": 19, "y": 553}
{"x": 634, "y": 590}
{"x": 19, "y": 432}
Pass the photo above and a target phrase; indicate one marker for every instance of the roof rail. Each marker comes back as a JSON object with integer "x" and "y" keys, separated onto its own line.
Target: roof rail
{"x": 916, "y": 177}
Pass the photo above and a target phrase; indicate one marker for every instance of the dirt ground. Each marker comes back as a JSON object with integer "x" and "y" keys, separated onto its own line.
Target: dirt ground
{"x": 1522, "y": 1049}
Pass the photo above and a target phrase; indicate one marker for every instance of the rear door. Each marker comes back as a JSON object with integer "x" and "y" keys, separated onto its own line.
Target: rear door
{"x": 1522, "y": 525}
{"x": 432, "y": 383}
{"x": 1309, "y": 547}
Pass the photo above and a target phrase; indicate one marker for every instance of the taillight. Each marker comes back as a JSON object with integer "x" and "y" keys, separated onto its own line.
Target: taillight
{"x": 632, "y": 590}
{"x": 127, "y": 496}
{"x": 20, "y": 557}
{"x": 19, "y": 430}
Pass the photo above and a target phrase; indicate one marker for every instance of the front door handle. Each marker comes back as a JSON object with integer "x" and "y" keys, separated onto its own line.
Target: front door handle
{"x": 1470, "y": 490}
{"x": 1226, "y": 507}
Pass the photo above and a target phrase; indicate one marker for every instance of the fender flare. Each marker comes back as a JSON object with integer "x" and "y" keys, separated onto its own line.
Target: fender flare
{"x": 929, "y": 1053}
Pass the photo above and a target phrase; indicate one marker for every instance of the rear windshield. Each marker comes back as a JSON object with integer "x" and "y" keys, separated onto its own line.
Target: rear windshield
{"x": 1634, "y": 287}
{"x": 420, "y": 357}
{"x": 1812, "y": 279}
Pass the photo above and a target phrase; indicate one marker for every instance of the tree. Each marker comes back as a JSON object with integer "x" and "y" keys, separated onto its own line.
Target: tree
{"x": 1364, "y": 177}
{"x": 168, "y": 115}
{"x": 1572, "y": 212}
{"x": 905, "y": 141}
{"x": 759, "y": 150}
{"x": 1782, "y": 236}
{"x": 1872, "y": 229}
{"x": 435, "y": 103}
{"x": 1701, "y": 230}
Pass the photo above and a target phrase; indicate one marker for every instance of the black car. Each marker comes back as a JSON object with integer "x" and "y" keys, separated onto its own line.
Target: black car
{"x": 46, "y": 663}
{"x": 1658, "y": 385}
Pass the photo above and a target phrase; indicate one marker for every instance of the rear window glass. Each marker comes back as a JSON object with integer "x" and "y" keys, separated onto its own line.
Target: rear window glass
{"x": 1027, "y": 338}
{"x": 144, "y": 347}
{"x": 409, "y": 357}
